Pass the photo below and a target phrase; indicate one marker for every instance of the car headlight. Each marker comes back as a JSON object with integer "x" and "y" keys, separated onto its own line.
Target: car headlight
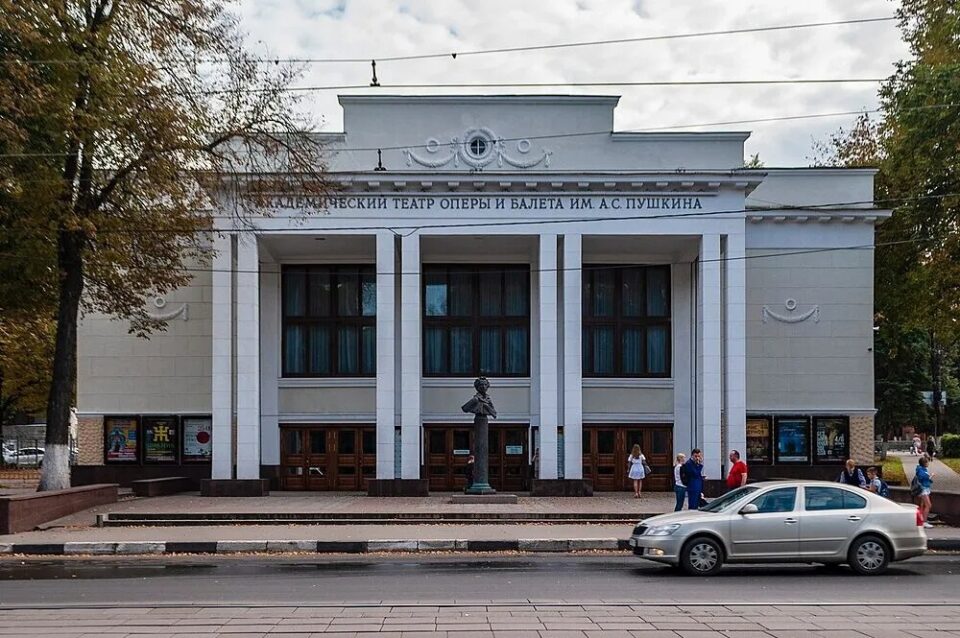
{"x": 663, "y": 530}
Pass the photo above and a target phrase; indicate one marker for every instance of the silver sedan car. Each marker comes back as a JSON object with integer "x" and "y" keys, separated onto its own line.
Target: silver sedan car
{"x": 785, "y": 522}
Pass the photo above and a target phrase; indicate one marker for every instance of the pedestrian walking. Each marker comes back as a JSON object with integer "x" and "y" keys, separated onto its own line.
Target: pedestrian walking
{"x": 917, "y": 443}
{"x": 931, "y": 446}
{"x": 693, "y": 477}
{"x": 737, "y": 477}
{"x": 468, "y": 470}
{"x": 920, "y": 487}
{"x": 852, "y": 475}
{"x": 679, "y": 488}
{"x": 636, "y": 469}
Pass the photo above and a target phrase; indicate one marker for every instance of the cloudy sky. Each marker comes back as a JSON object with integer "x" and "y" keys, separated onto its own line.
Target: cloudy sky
{"x": 381, "y": 28}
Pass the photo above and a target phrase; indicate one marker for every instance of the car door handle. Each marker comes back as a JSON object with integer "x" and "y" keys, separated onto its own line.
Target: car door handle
{"x": 790, "y": 521}
{"x": 854, "y": 519}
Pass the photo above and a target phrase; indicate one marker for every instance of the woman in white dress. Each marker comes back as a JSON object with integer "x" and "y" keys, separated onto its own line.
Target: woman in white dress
{"x": 635, "y": 471}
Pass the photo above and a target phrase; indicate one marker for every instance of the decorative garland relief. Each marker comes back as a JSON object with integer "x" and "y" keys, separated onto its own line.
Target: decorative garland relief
{"x": 477, "y": 148}
{"x": 793, "y": 316}
{"x": 160, "y": 302}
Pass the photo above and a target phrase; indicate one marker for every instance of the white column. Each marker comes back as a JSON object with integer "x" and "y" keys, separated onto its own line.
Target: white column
{"x": 549, "y": 381}
{"x": 248, "y": 358}
{"x": 222, "y": 364}
{"x": 410, "y": 366}
{"x": 708, "y": 356}
{"x": 386, "y": 354}
{"x": 683, "y": 373}
{"x": 735, "y": 366}
{"x": 270, "y": 362}
{"x": 572, "y": 357}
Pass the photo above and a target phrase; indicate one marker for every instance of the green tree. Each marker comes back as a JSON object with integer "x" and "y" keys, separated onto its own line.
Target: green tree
{"x": 916, "y": 145}
{"x": 149, "y": 106}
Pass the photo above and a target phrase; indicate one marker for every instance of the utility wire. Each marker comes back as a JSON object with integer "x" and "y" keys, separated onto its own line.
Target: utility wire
{"x": 828, "y": 208}
{"x": 582, "y": 268}
{"x": 539, "y": 47}
{"x": 551, "y": 136}
{"x": 530, "y": 85}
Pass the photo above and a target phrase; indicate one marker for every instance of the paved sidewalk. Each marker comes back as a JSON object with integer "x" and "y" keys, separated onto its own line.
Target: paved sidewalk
{"x": 502, "y": 620}
{"x": 944, "y": 478}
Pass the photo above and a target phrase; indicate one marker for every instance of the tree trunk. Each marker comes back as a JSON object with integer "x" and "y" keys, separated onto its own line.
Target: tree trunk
{"x": 55, "y": 474}
{"x": 936, "y": 375}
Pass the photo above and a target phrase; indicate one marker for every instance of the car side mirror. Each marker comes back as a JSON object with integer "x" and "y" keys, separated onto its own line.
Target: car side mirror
{"x": 749, "y": 508}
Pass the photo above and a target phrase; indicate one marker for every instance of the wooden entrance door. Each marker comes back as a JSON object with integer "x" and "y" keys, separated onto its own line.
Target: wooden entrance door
{"x": 327, "y": 458}
{"x": 605, "y": 451}
{"x": 448, "y": 447}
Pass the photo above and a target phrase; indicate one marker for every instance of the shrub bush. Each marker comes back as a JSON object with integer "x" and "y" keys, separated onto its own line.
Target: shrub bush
{"x": 950, "y": 445}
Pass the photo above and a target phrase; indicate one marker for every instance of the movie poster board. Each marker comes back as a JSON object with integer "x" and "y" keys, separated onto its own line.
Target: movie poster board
{"x": 120, "y": 437}
{"x": 793, "y": 439}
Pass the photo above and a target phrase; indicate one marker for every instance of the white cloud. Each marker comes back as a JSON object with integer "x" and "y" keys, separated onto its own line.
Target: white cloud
{"x": 378, "y": 28}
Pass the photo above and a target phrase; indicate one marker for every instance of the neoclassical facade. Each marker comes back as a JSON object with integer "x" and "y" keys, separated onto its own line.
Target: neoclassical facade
{"x": 616, "y": 288}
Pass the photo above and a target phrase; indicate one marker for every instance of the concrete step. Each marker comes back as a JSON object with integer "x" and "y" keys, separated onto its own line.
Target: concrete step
{"x": 128, "y": 519}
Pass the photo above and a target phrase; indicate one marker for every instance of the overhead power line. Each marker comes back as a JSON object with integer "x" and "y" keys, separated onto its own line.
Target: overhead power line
{"x": 248, "y": 227}
{"x": 532, "y": 85}
{"x": 537, "y": 47}
{"x": 549, "y": 136}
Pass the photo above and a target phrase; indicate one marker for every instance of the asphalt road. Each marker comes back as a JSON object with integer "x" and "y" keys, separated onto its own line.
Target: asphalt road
{"x": 454, "y": 579}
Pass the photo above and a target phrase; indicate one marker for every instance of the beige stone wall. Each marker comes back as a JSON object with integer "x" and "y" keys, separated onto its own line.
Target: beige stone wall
{"x": 861, "y": 439}
{"x": 90, "y": 440}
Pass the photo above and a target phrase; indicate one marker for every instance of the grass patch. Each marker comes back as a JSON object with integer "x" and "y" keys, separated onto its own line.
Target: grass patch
{"x": 893, "y": 472}
{"x": 953, "y": 464}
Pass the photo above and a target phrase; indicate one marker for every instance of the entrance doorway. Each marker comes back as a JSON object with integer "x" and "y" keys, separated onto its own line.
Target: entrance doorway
{"x": 605, "y": 451}
{"x": 448, "y": 446}
{"x": 319, "y": 458}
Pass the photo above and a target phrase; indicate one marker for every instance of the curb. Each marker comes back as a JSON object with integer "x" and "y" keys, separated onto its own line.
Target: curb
{"x": 533, "y": 545}
{"x": 137, "y": 548}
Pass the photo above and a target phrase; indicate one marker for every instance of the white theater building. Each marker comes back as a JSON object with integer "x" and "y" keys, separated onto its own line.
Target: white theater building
{"x": 615, "y": 288}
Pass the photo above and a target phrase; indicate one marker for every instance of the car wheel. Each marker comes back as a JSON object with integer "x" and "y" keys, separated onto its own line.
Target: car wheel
{"x": 701, "y": 556}
{"x": 869, "y": 555}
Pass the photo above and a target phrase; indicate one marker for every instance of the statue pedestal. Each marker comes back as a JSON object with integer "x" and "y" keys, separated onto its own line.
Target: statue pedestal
{"x": 484, "y": 499}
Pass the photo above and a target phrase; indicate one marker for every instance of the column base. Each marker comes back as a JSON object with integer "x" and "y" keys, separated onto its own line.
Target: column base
{"x": 561, "y": 487}
{"x": 398, "y": 487}
{"x": 480, "y": 488}
{"x": 235, "y": 487}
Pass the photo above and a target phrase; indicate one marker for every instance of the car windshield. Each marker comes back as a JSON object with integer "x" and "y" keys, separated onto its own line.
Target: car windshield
{"x": 721, "y": 503}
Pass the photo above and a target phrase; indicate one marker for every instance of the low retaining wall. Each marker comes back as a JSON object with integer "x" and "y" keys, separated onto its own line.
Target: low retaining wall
{"x": 125, "y": 475}
{"x": 23, "y": 512}
{"x": 946, "y": 505}
{"x": 164, "y": 486}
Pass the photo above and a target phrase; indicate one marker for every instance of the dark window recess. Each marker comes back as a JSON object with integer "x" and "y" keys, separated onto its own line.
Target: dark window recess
{"x": 476, "y": 320}
{"x": 329, "y": 321}
{"x": 626, "y": 321}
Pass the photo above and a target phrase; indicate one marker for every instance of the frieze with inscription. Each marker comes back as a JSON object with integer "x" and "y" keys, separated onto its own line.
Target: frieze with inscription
{"x": 484, "y": 202}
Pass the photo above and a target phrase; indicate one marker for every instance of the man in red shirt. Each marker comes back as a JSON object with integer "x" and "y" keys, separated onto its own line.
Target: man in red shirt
{"x": 738, "y": 472}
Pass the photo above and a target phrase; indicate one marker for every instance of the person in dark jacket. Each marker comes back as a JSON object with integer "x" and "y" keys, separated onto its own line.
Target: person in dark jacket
{"x": 691, "y": 474}
{"x": 852, "y": 475}
{"x": 931, "y": 446}
{"x": 468, "y": 470}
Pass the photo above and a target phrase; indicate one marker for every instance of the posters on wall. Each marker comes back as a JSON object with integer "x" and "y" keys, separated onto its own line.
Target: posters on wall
{"x": 197, "y": 439}
{"x": 832, "y": 436}
{"x": 160, "y": 439}
{"x": 793, "y": 440}
{"x": 121, "y": 439}
{"x": 758, "y": 440}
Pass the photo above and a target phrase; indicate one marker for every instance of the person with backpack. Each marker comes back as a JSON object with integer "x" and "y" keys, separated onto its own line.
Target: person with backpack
{"x": 852, "y": 475}
{"x": 920, "y": 488}
{"x": 876, "y": 484}
{"x": 931, "y": 446}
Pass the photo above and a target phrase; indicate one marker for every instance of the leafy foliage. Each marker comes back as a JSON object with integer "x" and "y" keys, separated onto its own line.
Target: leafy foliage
{"x": 129, "y": 112}
{"x": 950, "y": 445}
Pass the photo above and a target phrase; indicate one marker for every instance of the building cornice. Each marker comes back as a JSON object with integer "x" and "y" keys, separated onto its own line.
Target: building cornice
{"x": 818, "y": 216}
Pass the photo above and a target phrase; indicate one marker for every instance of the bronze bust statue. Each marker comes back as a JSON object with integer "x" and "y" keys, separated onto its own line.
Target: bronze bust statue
{"x": 481, "y": 403}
